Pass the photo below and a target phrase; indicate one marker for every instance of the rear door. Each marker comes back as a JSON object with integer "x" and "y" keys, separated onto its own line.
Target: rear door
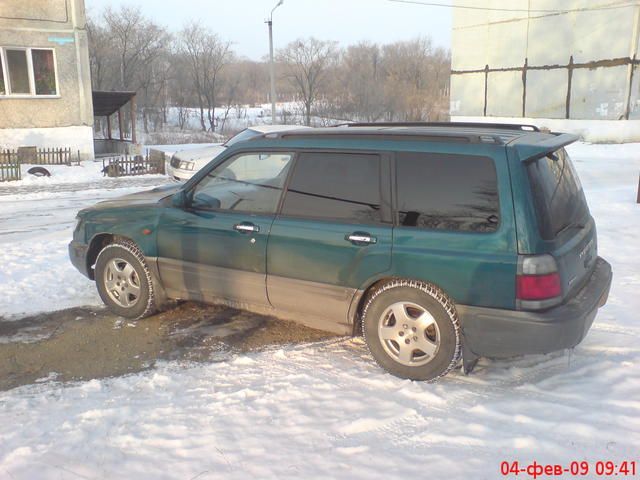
{"x": 565, "y": 225}
{"x": 455, "y": 225}
{"x": 333, "y": 235}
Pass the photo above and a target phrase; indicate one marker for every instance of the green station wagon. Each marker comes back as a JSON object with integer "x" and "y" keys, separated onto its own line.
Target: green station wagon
{"x": 438, "y": 242}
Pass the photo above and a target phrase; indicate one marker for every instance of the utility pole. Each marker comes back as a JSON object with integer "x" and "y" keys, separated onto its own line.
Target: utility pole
{"x": 272, "y": 67}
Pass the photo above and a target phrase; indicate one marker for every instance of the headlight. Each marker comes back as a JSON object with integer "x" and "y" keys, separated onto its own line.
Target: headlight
{"x": 182, "y": 164}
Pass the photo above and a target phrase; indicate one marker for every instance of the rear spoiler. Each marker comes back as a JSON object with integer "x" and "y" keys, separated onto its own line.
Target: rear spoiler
{"x": 531, "y": 151}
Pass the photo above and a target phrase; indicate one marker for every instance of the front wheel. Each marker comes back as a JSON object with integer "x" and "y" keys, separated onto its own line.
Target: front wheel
{"x": 124, "y": 280}
{"x": 412, "y": 329}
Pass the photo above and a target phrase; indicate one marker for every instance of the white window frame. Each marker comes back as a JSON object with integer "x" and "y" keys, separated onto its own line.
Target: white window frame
{"x": 32, "y": 80}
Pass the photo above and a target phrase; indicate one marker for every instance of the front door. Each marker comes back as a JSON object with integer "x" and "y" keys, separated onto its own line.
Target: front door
{"x": 333, "y": 234}
{"x": 216, "y": 246}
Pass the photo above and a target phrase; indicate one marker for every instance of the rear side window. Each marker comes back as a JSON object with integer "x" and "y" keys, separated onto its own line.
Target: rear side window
{"x": 557, "y": 194}
{"x": 338, "y": 186}
{"x": 447, "y": 192}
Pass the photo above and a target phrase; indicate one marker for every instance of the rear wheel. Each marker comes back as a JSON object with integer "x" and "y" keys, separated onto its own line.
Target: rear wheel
{"x": 124, "y": 280}
{"x": 412, "y": 329}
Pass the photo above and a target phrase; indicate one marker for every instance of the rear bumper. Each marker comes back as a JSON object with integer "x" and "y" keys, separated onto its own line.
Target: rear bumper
{"x": 498, "y": 333}
{"x": 78, "y": 256}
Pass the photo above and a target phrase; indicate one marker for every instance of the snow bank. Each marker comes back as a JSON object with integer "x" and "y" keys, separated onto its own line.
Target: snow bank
{"x": 89, "y": 171}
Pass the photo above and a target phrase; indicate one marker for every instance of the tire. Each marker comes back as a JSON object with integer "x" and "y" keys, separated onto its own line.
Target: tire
{"x": 412, "y": 329}
{"x": 124, "y": 280}
{"x": 39, "y": 172}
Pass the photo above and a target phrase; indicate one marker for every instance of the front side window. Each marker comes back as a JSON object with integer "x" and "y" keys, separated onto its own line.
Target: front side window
{"x": 28, "y": 71}
{"x": 245, "y": 183}
{"x": 447, "y": 192}
{"x": 340, "y": 186}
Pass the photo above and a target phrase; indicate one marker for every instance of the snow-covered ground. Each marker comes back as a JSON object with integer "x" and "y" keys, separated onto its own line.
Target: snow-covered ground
{"x": 321, "y": 410}
{"x": 37, "y": 217}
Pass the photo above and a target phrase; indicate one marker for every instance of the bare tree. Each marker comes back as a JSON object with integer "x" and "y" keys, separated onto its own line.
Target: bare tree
{"x": 207, "y": 55}
{"x": 100, "y": 55}
{"x": 362, "y": 80}
{"x": 307, "y": 62}
{"x": 413, "y": 85}
{"x": 137, "y": 40}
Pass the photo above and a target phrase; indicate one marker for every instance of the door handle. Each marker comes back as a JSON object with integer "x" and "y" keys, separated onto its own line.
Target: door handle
{"x": 246, "y": 227}
{"x": 361, "y": 238}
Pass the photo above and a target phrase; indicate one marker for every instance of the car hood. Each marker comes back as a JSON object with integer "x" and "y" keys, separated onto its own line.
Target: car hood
{"x": 200, "y": 155}
{"x": 147, "y": 197}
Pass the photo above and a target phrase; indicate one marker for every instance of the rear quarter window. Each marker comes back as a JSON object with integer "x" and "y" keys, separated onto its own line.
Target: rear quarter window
{"x": 447, "y": 192}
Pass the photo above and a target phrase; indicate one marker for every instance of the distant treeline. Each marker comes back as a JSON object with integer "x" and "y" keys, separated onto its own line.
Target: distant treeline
{"x": 195, "y": 68}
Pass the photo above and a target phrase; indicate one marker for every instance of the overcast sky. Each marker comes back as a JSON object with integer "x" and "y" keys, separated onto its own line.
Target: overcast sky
{"x": 347, "y": 21}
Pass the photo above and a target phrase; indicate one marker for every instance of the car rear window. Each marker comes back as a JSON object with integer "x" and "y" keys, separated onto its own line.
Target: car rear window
{"x": 447, "y": 192}
{"x": 557, "y": 194}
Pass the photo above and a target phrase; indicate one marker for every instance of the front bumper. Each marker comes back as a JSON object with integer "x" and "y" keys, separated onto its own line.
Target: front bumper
{"x": 490, "y": 332}
{"x": 78, "y": 256}
{"x": 180, "y": 174}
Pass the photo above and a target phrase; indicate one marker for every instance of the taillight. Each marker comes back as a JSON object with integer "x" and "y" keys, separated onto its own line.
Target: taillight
{"x": 538, "y": 283}
{"x": 538, "y": 287}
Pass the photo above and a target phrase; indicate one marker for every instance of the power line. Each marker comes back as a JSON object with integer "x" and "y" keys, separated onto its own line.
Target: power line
{"x": 515, "y": 10}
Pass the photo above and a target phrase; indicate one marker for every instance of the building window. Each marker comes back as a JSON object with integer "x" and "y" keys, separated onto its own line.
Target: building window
{"x": 28, "y": 72}
{"x": 18, "y": 71}
{"x": 3, "y": 89}
{"x": 44, "y": 72}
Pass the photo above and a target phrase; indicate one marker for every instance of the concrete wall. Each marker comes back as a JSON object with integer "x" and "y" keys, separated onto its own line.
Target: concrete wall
{"x": 61, "y": 25}
{"x": 505, "y": 40}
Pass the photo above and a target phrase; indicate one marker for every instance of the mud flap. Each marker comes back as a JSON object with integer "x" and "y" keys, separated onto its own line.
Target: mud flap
{"x": 469, "y": 359}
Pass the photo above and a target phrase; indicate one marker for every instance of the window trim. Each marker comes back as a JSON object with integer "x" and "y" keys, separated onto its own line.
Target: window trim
{"x": 230, "y": 158}
{"x": 386, "y": 211}
{"x": 30, "y": 73}
{"x": 396, "y": 212}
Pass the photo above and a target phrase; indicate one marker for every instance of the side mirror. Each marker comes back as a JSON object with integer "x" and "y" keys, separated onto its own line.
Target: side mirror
{"x": 179, "y": 200}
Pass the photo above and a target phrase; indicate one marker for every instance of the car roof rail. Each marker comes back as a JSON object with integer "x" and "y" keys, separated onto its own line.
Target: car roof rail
{"x": 498, "y": 126}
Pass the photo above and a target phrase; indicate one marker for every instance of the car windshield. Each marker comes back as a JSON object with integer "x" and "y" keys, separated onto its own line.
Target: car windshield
{"x": 246, "y": 134}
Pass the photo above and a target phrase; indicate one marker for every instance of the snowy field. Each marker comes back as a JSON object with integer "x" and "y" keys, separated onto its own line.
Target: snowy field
{"x": 239, "y": 118}
{"x": 321, "y": 410}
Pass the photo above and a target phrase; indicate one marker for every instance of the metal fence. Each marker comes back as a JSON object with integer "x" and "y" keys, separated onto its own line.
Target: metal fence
{"x": 9, "y": 166}
{"x": 127, "y": 166}
{"x": 624, "y": 98}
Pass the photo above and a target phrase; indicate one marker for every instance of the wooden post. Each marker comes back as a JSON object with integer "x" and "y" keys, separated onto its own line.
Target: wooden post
{"x": 133, "y": 119}
{"x": 109, "y": 127}
{"x": 120, "y": 124}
